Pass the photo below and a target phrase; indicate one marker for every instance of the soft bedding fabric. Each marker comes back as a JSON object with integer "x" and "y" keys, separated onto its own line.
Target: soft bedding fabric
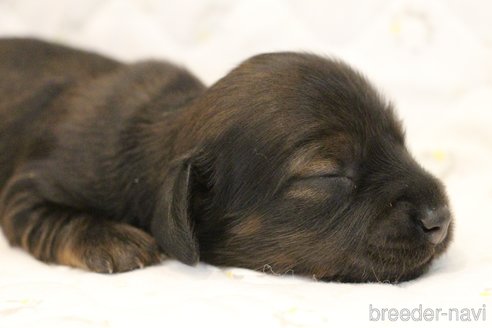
{"x": 432, "y": 59}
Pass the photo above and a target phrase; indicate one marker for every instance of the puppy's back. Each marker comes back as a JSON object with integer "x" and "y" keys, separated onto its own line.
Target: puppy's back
{"x": 32, "y": 74}
{"x": 31, "y": 60}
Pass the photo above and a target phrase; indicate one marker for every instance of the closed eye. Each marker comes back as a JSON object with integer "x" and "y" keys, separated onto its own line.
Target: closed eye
{"x": 320, "y": 186}
{"x": 328, "y": 176}
{"x": 324, "y": 181}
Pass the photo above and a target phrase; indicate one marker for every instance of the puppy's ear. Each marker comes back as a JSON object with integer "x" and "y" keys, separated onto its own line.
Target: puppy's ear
{"x": 171, "y": 224}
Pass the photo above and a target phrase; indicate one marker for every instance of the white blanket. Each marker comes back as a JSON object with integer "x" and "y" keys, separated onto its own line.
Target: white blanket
{"x": 432, "y": 58}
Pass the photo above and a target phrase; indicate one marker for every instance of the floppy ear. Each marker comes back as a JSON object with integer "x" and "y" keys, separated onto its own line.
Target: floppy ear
{"x": 171, "y": 224}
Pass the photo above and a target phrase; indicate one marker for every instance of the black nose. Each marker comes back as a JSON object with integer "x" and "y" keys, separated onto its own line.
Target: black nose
{"x": 435, "y": 224}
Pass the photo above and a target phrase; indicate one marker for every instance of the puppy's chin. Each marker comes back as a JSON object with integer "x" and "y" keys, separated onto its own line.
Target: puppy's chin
{"x": 397, "y": 265}
{"x": 380, "y": 270}
{"x": 390, "y": 265}
{"x": 370, "y": 275}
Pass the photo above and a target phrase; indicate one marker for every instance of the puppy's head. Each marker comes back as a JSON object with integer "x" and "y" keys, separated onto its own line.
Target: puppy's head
{"x": 302, "y": 167}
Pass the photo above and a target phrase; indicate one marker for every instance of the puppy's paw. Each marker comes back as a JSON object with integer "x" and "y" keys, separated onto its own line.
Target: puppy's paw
{"x": 112, "y": 248}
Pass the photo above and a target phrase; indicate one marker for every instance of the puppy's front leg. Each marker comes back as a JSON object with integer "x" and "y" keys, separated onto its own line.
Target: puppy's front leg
{"x": 60, "y": 234}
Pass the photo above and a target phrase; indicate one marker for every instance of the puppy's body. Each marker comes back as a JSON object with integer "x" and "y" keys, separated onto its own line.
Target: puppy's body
{"x": 289, "y": 161}
{"x": 77, "y": 136}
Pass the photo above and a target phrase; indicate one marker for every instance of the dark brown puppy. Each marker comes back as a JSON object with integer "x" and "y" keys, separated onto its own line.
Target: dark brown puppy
{"x": 291, "y": 161}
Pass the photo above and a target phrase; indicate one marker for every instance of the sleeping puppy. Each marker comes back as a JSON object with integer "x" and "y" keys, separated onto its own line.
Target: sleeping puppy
{"x": 291, "y": 161}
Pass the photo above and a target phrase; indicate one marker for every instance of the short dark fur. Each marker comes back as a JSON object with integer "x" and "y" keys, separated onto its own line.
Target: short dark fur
{"x": 291, "y": 162}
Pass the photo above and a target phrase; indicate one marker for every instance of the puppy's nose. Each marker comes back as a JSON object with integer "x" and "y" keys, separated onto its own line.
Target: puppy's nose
{"x": 435, "y": 224}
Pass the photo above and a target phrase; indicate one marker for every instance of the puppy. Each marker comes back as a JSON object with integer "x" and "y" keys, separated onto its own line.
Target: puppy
{"x": 291, "y": 162}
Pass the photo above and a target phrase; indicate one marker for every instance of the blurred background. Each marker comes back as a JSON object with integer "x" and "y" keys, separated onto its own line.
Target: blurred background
{"x": 431, "y": 58}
